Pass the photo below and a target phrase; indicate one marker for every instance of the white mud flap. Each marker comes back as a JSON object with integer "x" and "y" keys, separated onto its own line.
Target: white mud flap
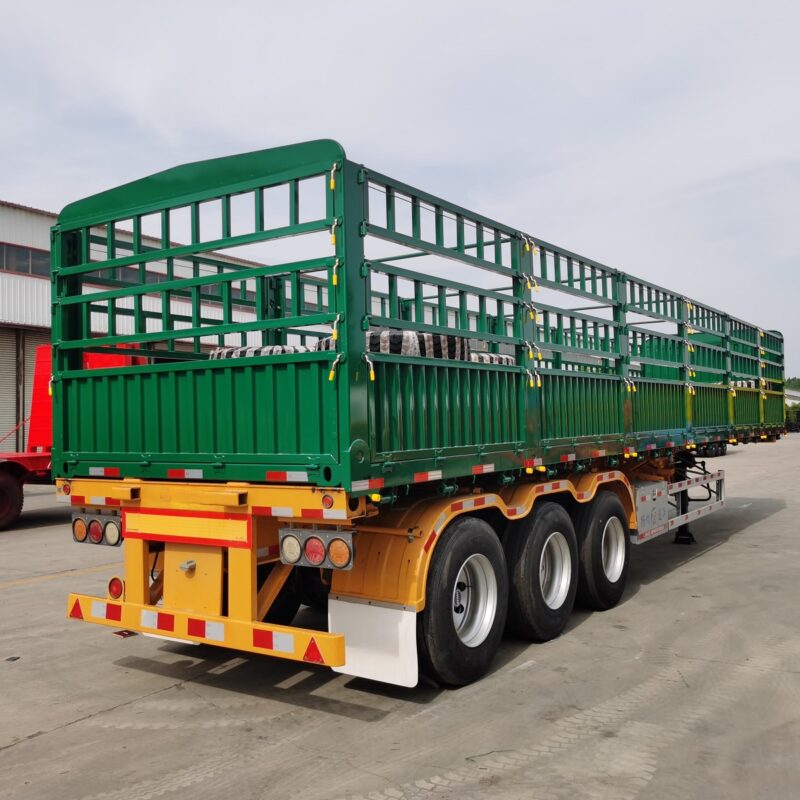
{"x": 380, "y": 640}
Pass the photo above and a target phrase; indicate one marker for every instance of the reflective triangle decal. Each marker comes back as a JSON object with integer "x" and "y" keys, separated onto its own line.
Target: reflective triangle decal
{"x": 313, "y": 654}
{"x": 76, "y": 612}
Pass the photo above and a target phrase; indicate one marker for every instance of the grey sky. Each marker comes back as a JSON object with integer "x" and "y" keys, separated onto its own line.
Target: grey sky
{"x": 662, "y": 139}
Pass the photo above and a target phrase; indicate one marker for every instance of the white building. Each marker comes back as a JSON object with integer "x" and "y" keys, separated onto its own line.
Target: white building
{"x": 24, "y": 310}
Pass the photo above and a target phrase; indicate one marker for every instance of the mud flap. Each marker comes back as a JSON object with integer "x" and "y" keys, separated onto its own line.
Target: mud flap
{"x": 381, "y": 640}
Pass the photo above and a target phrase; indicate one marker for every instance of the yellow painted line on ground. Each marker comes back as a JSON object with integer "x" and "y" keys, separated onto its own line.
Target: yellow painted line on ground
{"x": 13, "y": 584}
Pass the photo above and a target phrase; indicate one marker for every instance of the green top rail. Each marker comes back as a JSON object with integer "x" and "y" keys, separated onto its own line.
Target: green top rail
{"x": 291, "y": 312}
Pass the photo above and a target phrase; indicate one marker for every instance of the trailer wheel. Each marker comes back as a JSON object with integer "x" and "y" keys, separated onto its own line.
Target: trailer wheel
{"x": 605, "y": 547}
{"x": 461, "y": 626}
{"x": 11, "y": 499}
{"x": 542, "y": 557}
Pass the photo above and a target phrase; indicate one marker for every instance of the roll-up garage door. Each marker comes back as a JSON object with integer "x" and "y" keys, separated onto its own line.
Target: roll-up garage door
{"x": 31, "y": 340}
{"x": 8, "y": 388}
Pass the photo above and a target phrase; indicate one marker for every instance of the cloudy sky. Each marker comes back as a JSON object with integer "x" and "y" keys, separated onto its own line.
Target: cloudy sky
{"x": 662, "y": 139}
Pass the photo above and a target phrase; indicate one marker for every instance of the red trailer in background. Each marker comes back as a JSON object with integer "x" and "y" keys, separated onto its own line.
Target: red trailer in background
{"x": 33, "y": 464}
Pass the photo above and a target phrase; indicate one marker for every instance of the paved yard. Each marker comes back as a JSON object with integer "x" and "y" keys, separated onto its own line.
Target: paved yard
{"x": 690, "y": 688}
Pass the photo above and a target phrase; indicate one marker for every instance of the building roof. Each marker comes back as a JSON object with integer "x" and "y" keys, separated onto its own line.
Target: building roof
{"x": 20, "y": 207}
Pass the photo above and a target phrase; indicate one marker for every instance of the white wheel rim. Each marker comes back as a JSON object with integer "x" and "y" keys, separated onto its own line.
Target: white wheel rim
{"x": 555, "y": 570}
{"x": 474, "y": 601}
{"x": 612, "y": 547}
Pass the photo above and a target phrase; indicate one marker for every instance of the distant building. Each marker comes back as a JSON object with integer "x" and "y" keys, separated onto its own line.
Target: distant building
{"x": 24, "y": 310}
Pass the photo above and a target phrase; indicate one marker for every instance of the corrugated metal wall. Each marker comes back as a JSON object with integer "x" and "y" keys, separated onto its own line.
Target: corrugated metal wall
{"x": 24, "y": 300}
{"x": 8, "y": 387}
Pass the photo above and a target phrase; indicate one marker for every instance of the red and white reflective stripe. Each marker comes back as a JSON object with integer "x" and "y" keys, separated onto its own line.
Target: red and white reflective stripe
{"x": 81, "y": 500}
{"x": 273, "y": 511}
{"x": 288, "y": 477}
{"x": 669, "y": 444}
{"x": 643, "y": 537}
{"x": 553, "y": 486}
{"x": 534, "y": 462}
{"x": 473, "y": 502}
{"x": 104, "y": 472}
{"x": 629, "y": 450}
{"x": 516, "y": 511}
{"x": 701, "y": 512}
{"x": 110, "y": 611}
{"x": 567, "y": 457}
{"x": 482, "y": 469}
{"x": 273, "y": 640}
{"x": 584, "y": 495}
{"x": 187, "y": 474}
{"x": 700, "y": 479}
{"x": 273, "y": 551}
{"x": 433, "y": 475}
{"x": 323, "y": 513}
{"x": 650, "y": 447}
{"x": 205, "y": 629}
{"x": 363, "y": 486}
{"x": 598, "y": 453}
{"x": 158, "y": 621}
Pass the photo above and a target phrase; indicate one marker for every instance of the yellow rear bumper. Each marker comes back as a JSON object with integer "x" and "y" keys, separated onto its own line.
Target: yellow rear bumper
{"x": 295, "y": 644}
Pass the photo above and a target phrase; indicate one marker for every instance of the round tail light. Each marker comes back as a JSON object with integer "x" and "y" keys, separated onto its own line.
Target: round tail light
{"x": 290, "y": 549}
{"x": 116, "y": 588}
{"x": 327, "y": 501}
{"x": 95, "y": 532}
{"x": 66, "y": 488}
{"x": 314, "y": 550}
{"x": 112, "y": 533}
{"x": 339, "y": 553}
{"x": 79, "y": 530}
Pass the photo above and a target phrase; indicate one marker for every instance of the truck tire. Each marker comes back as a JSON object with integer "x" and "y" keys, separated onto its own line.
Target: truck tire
{"x": 603, "y": 533}
{"x": 11, "y": 499}
{"x": 461, "y": 626}
{"x": 286, "y": 604}
{"x": 542, "y": 556}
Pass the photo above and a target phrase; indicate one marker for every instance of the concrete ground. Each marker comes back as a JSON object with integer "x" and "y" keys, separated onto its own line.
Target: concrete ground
{"x": 690, "y": 688}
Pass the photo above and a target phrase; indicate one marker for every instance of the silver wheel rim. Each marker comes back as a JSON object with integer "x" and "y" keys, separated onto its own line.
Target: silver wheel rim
{"x": 474, "y": 601}
{"x": 555, "y": 570}
{"x": 612, "y": 548}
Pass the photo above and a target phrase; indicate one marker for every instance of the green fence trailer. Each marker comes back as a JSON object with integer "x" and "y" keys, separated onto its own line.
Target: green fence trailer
{"x": 341, "y": 391}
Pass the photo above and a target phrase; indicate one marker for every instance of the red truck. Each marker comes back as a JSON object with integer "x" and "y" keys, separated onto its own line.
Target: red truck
{"x": 33, "y": 464}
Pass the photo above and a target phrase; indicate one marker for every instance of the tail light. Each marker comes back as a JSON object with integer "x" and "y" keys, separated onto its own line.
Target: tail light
{"x": 79, "y": 529}
{"x": 326, "y": 548}
{"x": 291, "y": 551}
{"x": 112, "y": 533}
{"x": 95, "y": 531}
{"x": 314, "y": 550}
{"x": 116, "y": 588}
{"x": 339, "y": 553}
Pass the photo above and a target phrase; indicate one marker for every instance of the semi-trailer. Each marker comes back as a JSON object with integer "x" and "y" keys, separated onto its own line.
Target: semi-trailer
{"x": 355, "y": 395}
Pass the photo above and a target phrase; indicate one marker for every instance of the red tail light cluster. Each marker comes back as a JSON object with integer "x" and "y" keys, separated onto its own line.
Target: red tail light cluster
{"x": 308, "y": 547}
{"x": 98, "y": 529}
